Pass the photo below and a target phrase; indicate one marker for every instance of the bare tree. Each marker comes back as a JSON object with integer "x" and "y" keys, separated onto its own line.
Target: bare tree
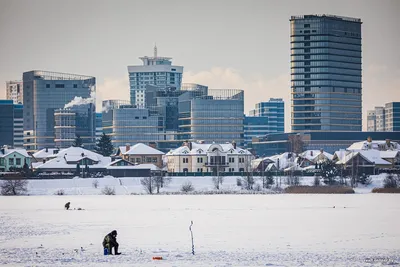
{"x": 248, "y": 179}
{"x": 218, "y": 181}
{"x": 187, "y": 187}
{"x": 108, "y": 191}
{"x": 161, "y": 181}
{"x": 14, "y": 187}
{"x": 95, "y": 183}
{"x": 148, "y": 184}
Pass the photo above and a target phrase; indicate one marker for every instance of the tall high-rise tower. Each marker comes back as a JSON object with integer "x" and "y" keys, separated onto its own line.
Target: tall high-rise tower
{"x": 155, "y": 70}
{"x": 326, "y": 73}
{"x": 44, "y": 93}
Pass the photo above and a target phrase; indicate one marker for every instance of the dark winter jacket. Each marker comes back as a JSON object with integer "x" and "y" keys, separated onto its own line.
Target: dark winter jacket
{"x": 67, "y": 205}
{"x": 110, "y": 240}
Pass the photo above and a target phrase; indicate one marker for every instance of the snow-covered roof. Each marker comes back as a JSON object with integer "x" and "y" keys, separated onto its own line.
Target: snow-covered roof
{"x": 389, "y": 154}
{"x": 140, "y": 149}
{"x": 284, "y": 160}
{"x": 370, "y": 155}
{"x": 203, "y": 149}
{"x": 8, "y": 151}
{"x": 376, "y": 144}
{"x": 46, "y": 153}
{"x": 118, "y": 160}
{"x": 312, "y": 155}
{"x": 73, "y": 154}
{"x": 151, "y": 167}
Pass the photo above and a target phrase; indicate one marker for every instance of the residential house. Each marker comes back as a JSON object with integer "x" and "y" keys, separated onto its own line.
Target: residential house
{"x": 199, "y": 157}
{"x": 11, "y": 159}
{"x": 141, "y": 154}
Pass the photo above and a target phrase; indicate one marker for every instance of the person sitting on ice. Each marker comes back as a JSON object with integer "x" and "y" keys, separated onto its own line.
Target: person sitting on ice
{"x": 110, "y": 241}
{"x": 67, "y": 205}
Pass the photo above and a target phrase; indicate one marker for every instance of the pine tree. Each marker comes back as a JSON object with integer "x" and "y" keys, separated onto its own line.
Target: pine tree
{"x": 78, "y": 141}
{"x": 104, "y": 146}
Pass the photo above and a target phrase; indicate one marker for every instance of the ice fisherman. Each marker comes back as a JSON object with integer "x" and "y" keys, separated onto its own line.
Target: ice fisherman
{"x": 67, "y": 205}
{"x": 110, "y": 241}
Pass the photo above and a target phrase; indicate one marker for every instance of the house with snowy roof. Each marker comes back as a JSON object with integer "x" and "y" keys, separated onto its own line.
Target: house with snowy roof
{"x": 13, "y": 159}
{"x": 141, "y": 154}
{"x": 67, "y": 160}
{"x": 368, "y": 156}
{"x": 200, "y": 157}
{"x": 45, "y": 154}
{"x": 313, "y": 157}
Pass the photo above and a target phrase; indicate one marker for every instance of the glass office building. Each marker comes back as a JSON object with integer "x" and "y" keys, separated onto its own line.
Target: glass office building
{"x": 326, "y": 73}
{"x": 255, "y": 127}
{"x": 11, "y": 124}
{"x": 125, "y": 123}
{"x": 216, "y": 117}
{"x": 78, "y": 120}
{"x": 274, "y": 109}
{"x": 44, "y": 92}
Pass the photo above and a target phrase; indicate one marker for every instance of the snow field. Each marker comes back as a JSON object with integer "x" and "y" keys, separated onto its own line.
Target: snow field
{"x": 229, "y": 230}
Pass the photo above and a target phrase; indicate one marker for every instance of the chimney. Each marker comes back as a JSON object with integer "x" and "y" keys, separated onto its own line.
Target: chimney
{"x": 321, "y": 150}
{"x": 153, "y": 145}
{"x": 234, "y": 144}
{"x": 44, "y": 161}
{"x": 369, "y": 139}
{"x": 82, "y": 154}
{"x": 311, "y": 153}
{"x": 190, "y": 145}
{"x": 388, "y": 142}
{"x": 47, "y": 149}
{"x": 127, "y": 147}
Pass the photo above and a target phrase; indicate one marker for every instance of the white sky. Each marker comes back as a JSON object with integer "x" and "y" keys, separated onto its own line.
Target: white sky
{"x": 222, "y": 44}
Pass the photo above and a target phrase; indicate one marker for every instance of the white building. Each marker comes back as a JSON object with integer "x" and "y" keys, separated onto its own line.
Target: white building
{"x": 155, "y": 70}
{"x": 198, "y": 157}
{"x": 14, "y": 91}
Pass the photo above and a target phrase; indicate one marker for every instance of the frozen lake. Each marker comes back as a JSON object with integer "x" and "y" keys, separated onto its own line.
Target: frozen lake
{"x": 229, "y": 230}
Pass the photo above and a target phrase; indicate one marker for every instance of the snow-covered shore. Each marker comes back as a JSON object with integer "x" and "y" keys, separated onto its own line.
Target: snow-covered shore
{"x": 127, "y": 186}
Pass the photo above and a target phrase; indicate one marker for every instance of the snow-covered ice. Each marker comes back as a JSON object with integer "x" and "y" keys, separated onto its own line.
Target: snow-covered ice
{"x": 229, "y": 230}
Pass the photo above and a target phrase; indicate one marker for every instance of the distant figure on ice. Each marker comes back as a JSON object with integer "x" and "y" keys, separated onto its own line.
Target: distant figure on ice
{"x": 110, "y": 241}
{"x": 67, "y": 205}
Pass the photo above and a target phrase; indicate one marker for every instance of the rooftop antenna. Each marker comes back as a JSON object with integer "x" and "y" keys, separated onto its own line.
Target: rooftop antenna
{"x": 155, "y": 49}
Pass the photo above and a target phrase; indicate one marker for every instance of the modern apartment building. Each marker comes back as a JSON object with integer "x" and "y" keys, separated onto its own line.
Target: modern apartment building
{"x": 274, "y": 109}
{"x": 155, "y": 70}
{"x": 326, "y": 73}
{"x": 45, "y": 92}
{"x": 11, "y": 124}
{"x": 14, "y": 91}
{"x": 384, "y": 119}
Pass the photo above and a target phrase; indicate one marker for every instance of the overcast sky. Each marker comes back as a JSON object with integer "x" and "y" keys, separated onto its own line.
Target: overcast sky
{"x": 222, "y": 44}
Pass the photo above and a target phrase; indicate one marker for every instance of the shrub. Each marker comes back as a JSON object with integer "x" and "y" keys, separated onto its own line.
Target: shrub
{"x": 364, "y": 179}
{"x": 187, "y": 187}
{"x": 319, "y": 190}
{"x": 317, "y": 181}
{"x": 95, "y": 183}
{"x": 257, "y": 187}
{"x": 386, "y": 190}
{"x": 60, "y": 192}
{"x": 390, "y": 181}
{"x": 108, "y": 191}
{"x": 14, "y": 187}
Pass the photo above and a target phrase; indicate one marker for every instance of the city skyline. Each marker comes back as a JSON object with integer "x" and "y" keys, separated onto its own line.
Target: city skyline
{"x": 221, "y": 51}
